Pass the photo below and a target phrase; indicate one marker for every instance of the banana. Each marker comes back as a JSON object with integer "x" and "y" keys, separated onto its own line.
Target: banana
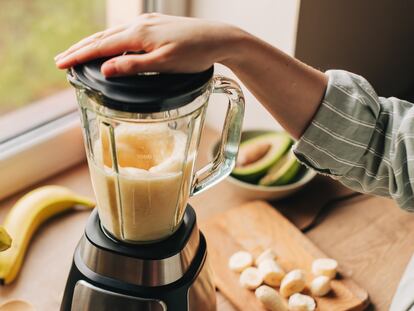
{"x": 26, "y": 216}
{"x": 320, "y": 286}
{"x": 293, "y": 282}
{"x": 240, "y": 261}
{"x": 5, "y": 239}
{"x": 267, "y": 254}
{"x": 251, "y": 278}
{"x": 270, "y": 299}
{"x": 271, "y": 272}
{"x": 299, "y": 302}
{"x": 325, "y": 266}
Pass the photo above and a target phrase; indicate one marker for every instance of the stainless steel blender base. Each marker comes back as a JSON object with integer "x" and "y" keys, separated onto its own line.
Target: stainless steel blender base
{"x": 100, "y": 299}
{"x": 137, "y": 270}
{"x": 173, "y": 274}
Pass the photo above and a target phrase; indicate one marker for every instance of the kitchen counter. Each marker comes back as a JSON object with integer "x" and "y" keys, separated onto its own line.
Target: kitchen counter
{"x": 371, "y": 237}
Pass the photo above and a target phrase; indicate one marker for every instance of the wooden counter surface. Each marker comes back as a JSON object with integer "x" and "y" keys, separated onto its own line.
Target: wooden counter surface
{"x": 370, "y": 237}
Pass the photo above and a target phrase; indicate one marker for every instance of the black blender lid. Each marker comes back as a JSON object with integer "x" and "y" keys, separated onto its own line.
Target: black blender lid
{"x": 145, "y": 92}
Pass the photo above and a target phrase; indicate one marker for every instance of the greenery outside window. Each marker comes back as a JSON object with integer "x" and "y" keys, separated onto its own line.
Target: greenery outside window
{"x": 33, "y": 32}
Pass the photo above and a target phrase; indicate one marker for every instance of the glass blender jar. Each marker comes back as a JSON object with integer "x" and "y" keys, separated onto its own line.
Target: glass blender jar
{"x": 141, "y": 135}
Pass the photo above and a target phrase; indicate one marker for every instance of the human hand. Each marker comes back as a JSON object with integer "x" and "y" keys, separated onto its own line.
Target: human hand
{"x": 170, "y": 43}
{"x": 289, "y": 89}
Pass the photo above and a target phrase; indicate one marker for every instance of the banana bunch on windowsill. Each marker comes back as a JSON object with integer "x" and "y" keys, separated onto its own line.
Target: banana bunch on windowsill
{"x": 25, "y": 217}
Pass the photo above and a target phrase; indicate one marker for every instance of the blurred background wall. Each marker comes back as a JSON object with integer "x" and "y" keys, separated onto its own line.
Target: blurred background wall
{"x": 374, "y": 38}
{"x": 272, "y": 20}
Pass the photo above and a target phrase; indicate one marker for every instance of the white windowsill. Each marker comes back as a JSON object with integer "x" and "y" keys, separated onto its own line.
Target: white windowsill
{"x": 39, "y": 141}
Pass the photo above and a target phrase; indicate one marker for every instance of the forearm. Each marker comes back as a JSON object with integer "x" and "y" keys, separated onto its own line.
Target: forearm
{"x": 289, "y": 89}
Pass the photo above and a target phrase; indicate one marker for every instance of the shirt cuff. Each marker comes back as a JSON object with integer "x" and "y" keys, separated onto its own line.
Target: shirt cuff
{"x": 341, "y": 129}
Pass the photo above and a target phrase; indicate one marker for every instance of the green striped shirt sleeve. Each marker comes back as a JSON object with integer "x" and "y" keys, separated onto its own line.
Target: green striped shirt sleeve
{"x": 363, "y": 140}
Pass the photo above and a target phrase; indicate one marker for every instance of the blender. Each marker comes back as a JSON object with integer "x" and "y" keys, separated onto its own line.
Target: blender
{"x": 142, "y": 249}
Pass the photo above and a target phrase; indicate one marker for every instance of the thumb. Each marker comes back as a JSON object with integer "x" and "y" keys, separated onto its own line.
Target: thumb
{"x": 131, "y": 64}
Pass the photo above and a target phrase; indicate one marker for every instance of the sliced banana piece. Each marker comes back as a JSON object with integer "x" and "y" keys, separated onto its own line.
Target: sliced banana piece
{"x": 267, "y": 254}
{"x": 325, "y": 266}
{"x": 299, "y": 302}
{"x": 320, "y": 286}
{"x": 251, "y": 278}
{"x": 271, "y": 272}
{"x": 270, "y": 299}
{"x": 240, "y": 261}
{"x": 293, "y": 282}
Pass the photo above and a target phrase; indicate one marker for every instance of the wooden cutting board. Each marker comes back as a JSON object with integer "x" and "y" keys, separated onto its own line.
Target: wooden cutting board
{"x": 255, "y": 227}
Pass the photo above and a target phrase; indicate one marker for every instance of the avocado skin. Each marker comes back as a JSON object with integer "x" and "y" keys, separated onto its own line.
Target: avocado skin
{"x": 253, "y": 177}
{"x": 285, "y": 178}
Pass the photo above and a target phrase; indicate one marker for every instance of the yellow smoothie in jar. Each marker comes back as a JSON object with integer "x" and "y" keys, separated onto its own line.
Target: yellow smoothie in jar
{"x": 146, "y": 199}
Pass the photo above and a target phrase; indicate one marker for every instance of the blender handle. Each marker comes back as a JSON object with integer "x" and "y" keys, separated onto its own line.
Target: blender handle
{"x": 225, "y": 159}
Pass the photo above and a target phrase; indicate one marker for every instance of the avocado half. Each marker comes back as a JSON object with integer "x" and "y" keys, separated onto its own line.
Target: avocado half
{"x": 283, "y": 172}
{"x": 278, "y": 144}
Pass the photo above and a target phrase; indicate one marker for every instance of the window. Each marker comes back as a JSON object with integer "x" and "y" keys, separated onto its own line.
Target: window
{"x": 33, "y": 32}
{"x": 39, "y": 128}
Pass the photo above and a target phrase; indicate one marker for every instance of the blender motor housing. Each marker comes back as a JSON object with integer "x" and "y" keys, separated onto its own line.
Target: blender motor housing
{"x": 172, "y": 274}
